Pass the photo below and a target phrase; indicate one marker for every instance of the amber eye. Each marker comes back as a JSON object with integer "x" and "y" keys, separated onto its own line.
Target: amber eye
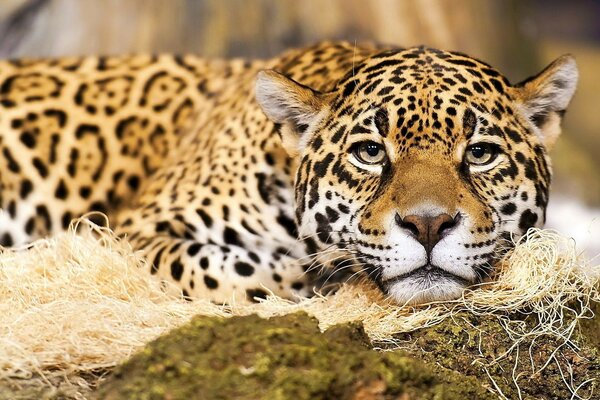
{"x": 369, "y": 153}
{"x": 481, "y": 153}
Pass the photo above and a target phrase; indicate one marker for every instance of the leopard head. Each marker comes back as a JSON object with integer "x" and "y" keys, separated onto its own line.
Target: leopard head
{"x": 419, "y": 164}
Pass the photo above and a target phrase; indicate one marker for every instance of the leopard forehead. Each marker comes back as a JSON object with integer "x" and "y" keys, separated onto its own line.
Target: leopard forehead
{"x": 420, "y": 90}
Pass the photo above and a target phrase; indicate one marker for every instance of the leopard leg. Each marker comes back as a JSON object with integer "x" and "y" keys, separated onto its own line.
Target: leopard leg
{"x": 221, "y": 273}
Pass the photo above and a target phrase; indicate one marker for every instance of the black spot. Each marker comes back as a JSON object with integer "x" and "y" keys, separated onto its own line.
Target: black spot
{"x": 263, "y": 189}
{"x": 194, "y": 249}
{"x": 332, "y": 215}
{"x": 297, "y": 285}
{"x": 13, "y": 166}
{"x": 26, "y": 188}
{"x": 12, "y": 208}
{"x": 61, "y": 190}
{"x": 254, "y": 257}
{"x": 156, "y": 262}
{"x": 244, "y": 269}
{"x": 269, "y": 159}
{"x": 323, "y": 228}
{"x": 210, "y": 282}
{"x": 382, "y": 122}
{"x": 176, "y": 270}
{"x": 469, "y": 121}
{"x": 6, "y": 240}
{"x": 163, "y": 226}
{"x": 530, "y": 171}
{"x": 509, "y": 209}
{"x": 514, "y": 135}
{"x": 85, "y": 192}
{"x": 288, "y": 224}
{"x": 84, "y": 129}
{"x": 321, "y": 167}
{"x": 528, "y": 219}
{"x": 66, "y": 219}
{"x": 28, "y": 139}
{"x": 205, "y": 217}
{"x": 349, "y": 88}
{"x": 231, "y": 237}
{"x": 317, "y": 143}
{"x": 338, "y": 134}
{"x": 30, "y": 226}
{"x": 277, "y": 278}
{"x": 133, "y": 182}
{"x": 461, "y": 61}
{"x": 204, "y": 263}
{"x": 40, "y": 166}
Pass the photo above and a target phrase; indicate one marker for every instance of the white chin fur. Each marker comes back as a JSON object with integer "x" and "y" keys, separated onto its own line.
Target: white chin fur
{"x": 411, "y": 291}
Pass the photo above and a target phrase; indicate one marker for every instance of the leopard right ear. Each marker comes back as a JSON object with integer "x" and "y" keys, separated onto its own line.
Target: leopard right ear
{"x": 544, "y": 98}
{"x": 296, "y": 107}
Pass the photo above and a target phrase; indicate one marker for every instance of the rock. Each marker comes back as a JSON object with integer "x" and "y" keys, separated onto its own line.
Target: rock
{"x": 288, "y": 358}
{"x": 280, "y": 358}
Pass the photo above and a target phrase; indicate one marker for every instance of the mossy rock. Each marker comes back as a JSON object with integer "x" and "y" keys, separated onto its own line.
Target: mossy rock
{"x": 288, "y": 358}
{"x": 279, "y": 358}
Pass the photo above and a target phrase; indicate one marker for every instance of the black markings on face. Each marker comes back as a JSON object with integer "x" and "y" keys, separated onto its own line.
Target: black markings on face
{"x": 508, "y": 209}
{"x": 528, "y": 219}
{"x": 469, "y": 122}
{"x": 323, "y": 228}
{"x": 382, "y": 122}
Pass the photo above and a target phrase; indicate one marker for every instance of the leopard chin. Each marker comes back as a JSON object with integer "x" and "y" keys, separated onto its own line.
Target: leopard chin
{"x": 424, "y": 285}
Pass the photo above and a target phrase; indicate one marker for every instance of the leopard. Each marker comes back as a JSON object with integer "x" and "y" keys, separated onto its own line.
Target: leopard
{"x": 412, "y": 168}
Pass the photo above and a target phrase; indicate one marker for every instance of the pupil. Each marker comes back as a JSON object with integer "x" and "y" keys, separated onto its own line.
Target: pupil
{"x": 478, "y": 151}
{"x": 372, "y": 150}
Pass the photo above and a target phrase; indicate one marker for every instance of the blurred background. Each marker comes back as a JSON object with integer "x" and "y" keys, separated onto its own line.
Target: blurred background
{"x": 519, "y": 37}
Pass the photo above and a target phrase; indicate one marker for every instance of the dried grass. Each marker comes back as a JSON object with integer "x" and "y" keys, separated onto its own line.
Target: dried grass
{"x": 83, "y": 302}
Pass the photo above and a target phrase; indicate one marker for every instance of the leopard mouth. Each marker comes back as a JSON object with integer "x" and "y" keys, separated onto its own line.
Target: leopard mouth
{"x": 427, "y": 275}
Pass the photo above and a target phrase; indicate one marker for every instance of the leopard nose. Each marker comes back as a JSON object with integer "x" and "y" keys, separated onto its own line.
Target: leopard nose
{"x": 428, "y": 229}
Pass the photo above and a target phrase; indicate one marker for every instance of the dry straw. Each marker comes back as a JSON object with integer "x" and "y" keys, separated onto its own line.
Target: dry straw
{"x": 83, "y": 302}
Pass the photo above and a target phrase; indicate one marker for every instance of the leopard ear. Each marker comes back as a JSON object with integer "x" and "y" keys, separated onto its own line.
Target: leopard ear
{"x": 296, "y": 107}
{"x": 545, "y": 97}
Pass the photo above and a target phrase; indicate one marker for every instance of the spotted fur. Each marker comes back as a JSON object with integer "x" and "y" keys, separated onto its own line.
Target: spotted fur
{"x": 234, "y": 185}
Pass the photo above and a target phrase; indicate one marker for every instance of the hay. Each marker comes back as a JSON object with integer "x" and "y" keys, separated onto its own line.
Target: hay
{"x": 83, "y": 302}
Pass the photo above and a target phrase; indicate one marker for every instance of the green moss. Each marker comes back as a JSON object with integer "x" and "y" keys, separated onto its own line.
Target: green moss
{"x": 470, "y": 344}
{"x": 280, "y": 358}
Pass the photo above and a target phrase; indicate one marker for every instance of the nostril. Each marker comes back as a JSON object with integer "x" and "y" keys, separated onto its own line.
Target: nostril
{"x": 404, "y": 223}
{"x": 411, "y": 227}
{"x": 448, "y": 223}
{"x": 446, "y": 226}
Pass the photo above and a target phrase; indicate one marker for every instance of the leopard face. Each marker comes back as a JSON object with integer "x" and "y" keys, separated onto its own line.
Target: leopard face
{"x": 420, "y": 165}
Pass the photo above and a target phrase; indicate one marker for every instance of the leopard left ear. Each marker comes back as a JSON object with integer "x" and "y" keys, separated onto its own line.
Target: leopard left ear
{"x": 544, "y": 98}
{"x": 296, "y": 107}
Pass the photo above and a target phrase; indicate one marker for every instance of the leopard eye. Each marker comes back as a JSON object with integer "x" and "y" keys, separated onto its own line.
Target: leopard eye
{"x": 369, "y": 153}
{"x": 480, "y": 154}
